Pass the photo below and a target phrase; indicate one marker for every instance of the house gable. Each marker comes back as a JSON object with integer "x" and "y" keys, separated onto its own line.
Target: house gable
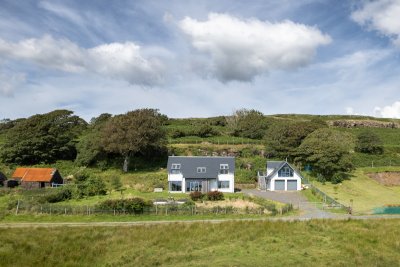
{"x": 279, "y": 165}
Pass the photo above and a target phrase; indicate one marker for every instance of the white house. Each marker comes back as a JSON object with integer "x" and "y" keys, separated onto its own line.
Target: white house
{"x": 280, "y": 176}
{"x": 204, "y": 174}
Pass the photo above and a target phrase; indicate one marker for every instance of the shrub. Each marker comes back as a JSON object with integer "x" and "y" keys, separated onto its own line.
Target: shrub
{"x": 196, "y": 195}
{"x": 215, "y": 195}
{"x": 59, "y": 194}
{"x": 95, "y": 186}
{"x": 131, "y": 205}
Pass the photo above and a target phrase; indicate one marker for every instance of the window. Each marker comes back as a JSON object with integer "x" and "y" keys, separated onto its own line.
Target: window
{"x": 285, "y": 172}
{"x": 175, "y": 168}
{"x": 223, "y": 184}
{"x": 192, "y": 186}
{"x": 175, "y": 186}
{"x": 223, "y": 168}
{"x": 201, "y": 169}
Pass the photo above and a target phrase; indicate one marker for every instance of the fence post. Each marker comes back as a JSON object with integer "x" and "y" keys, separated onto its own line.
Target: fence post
{"x": 156, "y": 210}
{"x": 16, "y": 211}
{"x": 65, "y": 211}
{"x": 114, "y": 212}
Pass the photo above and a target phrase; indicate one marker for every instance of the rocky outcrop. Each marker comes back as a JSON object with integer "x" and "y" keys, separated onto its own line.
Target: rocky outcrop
{"x": 363, "y": 123}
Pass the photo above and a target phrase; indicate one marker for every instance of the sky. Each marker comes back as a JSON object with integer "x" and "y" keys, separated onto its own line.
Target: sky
{"x": 200, "y": 58}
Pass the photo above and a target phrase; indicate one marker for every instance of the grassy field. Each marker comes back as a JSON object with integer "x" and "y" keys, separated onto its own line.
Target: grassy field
{"x": 313, "y": 243}
{"x": 365, "y": 192}
{"x": 46, "y": 218}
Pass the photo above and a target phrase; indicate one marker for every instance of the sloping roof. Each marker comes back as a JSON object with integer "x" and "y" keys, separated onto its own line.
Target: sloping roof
{"x": 189, "y": 165}
{"x": 34, "y": 174}
{"x": 277, "y": 165}
{"x": 274, "y": 164}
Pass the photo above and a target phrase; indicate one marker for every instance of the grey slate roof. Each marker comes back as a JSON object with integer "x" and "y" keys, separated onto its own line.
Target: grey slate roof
{"x": 189, "y": 165}
{"x": 274, "y": 164}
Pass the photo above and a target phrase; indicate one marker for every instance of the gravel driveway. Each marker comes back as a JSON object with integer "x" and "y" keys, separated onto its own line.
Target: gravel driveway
{"x": 307, "y": 210}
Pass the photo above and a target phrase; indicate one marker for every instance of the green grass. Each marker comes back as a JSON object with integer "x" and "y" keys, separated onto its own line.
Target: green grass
{"x": 365, "y": 192}
{"x": 313, "y": 243}
{"x": 46, "y": 218}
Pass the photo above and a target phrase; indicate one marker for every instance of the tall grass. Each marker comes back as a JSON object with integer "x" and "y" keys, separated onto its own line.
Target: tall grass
{"x": 313, "y": 243}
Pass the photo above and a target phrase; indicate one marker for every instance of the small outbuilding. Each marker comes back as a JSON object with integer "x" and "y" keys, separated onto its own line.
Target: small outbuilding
{"x": 279, "y": 176}
{"x": 37, "y": 177}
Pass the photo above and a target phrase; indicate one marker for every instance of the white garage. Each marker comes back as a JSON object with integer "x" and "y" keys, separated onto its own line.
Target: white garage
{"x": 280, "y": 176}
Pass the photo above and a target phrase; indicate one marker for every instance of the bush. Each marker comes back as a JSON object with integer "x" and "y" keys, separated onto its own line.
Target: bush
{"x": 59, "y": 194}
{"x": 95, "y": 186}
{"x": 89, "y": 186}
{"x": 338, "y": 178}
{"x": 130, "y": 205}
{"x": 215, "y": 195}
{"x": 196, "y": 195}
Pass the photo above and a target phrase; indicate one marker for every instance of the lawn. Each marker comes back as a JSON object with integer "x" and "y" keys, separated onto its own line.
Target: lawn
{"x": 312, "y": 243}
{"x": 365, "y": 192}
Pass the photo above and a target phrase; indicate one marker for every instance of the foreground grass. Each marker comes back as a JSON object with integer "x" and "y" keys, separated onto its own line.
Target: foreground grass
{"x": 312, "y": 243}
{"x": 365, "y": 192}
{"x": 46, "y": 218}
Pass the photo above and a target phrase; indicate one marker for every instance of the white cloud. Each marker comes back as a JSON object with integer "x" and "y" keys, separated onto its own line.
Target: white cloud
{"x": 61, "y": 11}
{"x": 9, "y": 82}
{"x": 381, "y": 15}
{"x": 243, "y": 49}
{"x": 391, "y": 111}
{"x": 125, "y": 61}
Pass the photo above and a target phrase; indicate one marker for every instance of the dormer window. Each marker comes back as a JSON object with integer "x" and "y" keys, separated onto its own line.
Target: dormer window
{"x": 175, "y": 168}
{"x": 223, "y": 168}
{"x": 201, "y": 169}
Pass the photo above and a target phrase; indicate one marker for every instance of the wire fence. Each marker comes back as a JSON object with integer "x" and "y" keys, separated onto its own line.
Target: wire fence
{"x": 327, "y": 200}
{"x": 161, "y": 210}
{"x": 215, "y": 141}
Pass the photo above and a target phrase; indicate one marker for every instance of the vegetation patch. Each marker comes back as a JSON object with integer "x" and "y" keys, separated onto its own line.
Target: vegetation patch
{"x": 312, "y": 243}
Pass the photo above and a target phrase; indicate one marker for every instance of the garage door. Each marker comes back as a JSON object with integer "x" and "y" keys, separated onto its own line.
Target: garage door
{"x": 291, "y": 184}
{"x": 279, "y": 184}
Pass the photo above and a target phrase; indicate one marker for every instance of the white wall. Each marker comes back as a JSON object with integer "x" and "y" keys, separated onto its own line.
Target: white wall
{"x": 178, "y": 177}
{"x": 295, "y": 177}
{"x": 227, "y": 177}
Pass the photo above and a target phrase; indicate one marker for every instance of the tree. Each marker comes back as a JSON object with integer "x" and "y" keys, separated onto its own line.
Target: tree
{"x": 368, "y": 142}
{"x": 283, "y": 138}
{"x": 116, "y": 183}
{"x": 43, "y": 138}
{"x": 327, "y": 151}
{"x": 89, "y": 146}
{"x": 247, "y": 123}
{"x": 137, "y": 132}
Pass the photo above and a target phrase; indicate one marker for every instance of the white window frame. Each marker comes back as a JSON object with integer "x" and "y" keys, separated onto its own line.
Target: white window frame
{"x": 175, "y": 166}
{"x": 223, "y": 168}
{"x": 220, "y": 183}
{"x": 201, "y": 169}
